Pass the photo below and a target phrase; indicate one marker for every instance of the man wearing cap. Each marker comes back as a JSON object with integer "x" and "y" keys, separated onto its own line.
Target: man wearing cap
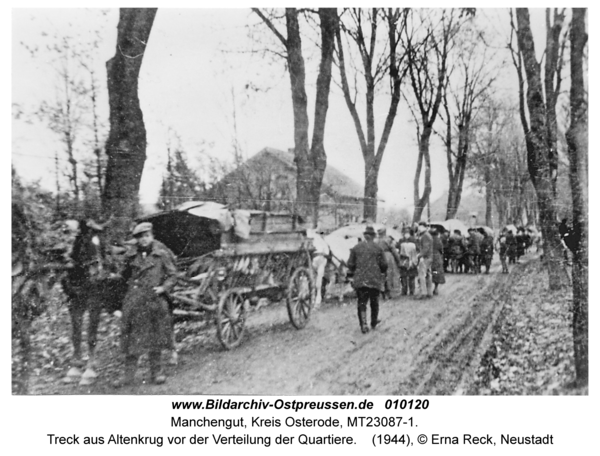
{"x": 367, "y": 265}
{"x": 425, "y": 258}
{"x": 146, "y": 321}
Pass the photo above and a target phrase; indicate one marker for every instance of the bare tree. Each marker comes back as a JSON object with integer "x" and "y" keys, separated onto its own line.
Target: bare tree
{"x": 310, "y": 160}
{"x": 498, "y": 164}
{"x": 126, "y": 144}
{"x": 99, "y": 164}
{"x": 380, "y": 61}
{"x": 65, "y": 114}
{"x": 577, "y": 139}
{"x": 72, "y": 113}
{"x": 469, "y": 81}
{"x": 542, "y": 158}
{"x": 427, "y": 59}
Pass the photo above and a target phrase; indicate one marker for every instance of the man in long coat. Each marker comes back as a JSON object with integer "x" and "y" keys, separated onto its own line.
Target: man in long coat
{"x": 367, "y": 265}
{"x": 146, "y": 321}
{"x": 437, "y": 262}
{"x": 457, "y": 248}
{"x": 511, "y": 243}
{"x": 474, "y": 250}
{"x": 425, "y": 257}
{"x": 392, "y": 259}
{"x": 487, "y": 251}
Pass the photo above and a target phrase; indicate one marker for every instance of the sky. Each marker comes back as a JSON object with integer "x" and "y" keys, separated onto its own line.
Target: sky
{"x": 196, "y": 68}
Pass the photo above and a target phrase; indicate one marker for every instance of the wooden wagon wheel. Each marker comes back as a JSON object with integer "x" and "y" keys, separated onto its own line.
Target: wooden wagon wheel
{"x": 231, "y": 319}
{"x": 300, "y": 297}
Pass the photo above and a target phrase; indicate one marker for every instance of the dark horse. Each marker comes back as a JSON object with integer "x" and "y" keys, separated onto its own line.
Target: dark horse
{"x": 89, "y": 287}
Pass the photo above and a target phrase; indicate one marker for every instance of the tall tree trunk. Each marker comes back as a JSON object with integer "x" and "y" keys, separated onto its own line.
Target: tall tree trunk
{"x": 552, "y": 83}
{"x": 126, "y": 144}
{"x": 451, "y": 206}
{"x": 461, "y": 166}
{"x": 538, "y": 155}
{"x": 577, "y": 140}
{"x": 428, "y": 91}
{"x": 371, "y": 189}
{"x": 373, "y": 153}
{"x": 456, "y": 187}
{"x": 371, "y": 165}
{"x": 97, "y": 150}
{"x": 300, "y": 106}
{"x": 420, "y": 201}
{"x": 488, "y": 199}
{"x": 311, "y": 162}
{"x": 501, "y": 207}
{"x": 329, "y": 24}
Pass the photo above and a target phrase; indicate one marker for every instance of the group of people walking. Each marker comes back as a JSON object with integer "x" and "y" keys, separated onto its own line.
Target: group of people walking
{"x": 424, "y": 256}
{"x": 372, "y": 264}
{"x": 470, "y": 253}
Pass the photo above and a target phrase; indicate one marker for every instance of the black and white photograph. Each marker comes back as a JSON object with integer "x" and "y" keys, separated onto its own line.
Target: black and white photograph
{"x": 300, "y": 201}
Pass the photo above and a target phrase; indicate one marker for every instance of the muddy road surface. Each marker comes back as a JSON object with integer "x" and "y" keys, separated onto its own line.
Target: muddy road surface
{"x": 422, "y": 347}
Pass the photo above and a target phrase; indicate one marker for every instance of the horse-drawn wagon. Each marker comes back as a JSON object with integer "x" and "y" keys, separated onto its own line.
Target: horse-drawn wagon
{"x": 230, "y": 260}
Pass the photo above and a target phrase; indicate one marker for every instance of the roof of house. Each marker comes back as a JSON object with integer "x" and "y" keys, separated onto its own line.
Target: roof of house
{"x": 333, "y": 178}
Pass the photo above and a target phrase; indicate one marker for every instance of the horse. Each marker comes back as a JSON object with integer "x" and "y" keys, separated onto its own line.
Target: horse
{"x": 93, "y": 284}
{"x": 328, "y": 269}
{"x": 89, "y": 286}
{"x": 319, "y": 261}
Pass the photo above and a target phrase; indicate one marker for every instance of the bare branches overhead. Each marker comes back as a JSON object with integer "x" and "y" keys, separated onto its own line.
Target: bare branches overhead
{"x": 373, "y": 35}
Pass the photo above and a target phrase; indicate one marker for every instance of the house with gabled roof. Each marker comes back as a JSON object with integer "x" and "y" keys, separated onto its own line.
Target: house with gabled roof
{"x": 267, "y": 181}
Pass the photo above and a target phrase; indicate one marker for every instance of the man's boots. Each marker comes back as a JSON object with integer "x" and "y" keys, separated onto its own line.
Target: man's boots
{"x": 374, "y": 315}
{"x": 128, "y": 376}
{"x": 362, "y": 318}
{"x": 156, "y": 375}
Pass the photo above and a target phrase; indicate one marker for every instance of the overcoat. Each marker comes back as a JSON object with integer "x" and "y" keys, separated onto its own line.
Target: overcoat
{"x": 367, "y": 264}
{"x": 392, "y": 259}
{"x": 474, "y": 243}
{"x": 146, "y": 321}
{"x": 487, "y": 247}
{"x": 511, "y": 243}
{"x": 437, "y": 265}
{"x": 456, "y": 244}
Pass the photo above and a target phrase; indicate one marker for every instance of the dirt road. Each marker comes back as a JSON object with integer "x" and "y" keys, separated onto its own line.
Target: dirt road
{"x": 422, "y": 347}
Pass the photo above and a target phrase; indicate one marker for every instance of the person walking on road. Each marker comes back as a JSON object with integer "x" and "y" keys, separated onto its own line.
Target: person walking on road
{"x": 511, "y": 243}
{"x": 503, "y": 252}
{"x": 392, "y": 259}
{"x": 408, "y": 262}
{"x": 425, "y": 258}
{"x": 437, "y": 263}
{"x": 487, "y": 250}
{"x": 367, "y": 265}
{"x": 474, "y": 251}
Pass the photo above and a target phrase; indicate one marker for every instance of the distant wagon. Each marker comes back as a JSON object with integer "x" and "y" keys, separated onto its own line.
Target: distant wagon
{"x": 232, "y": 258}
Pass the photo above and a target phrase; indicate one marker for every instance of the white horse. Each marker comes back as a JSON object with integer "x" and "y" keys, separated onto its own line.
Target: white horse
{"x": 325, "y": 265}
